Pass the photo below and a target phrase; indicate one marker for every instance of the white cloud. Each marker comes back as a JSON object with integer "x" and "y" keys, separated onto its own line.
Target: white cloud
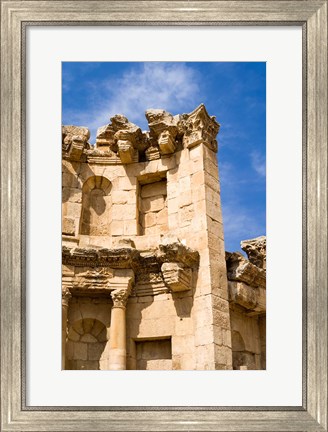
{"x": 150, "y": 85}
{"x": 258, "y": 163}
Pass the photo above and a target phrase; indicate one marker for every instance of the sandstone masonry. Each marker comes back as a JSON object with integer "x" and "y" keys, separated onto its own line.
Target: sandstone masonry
{"x": 146, "y": 281}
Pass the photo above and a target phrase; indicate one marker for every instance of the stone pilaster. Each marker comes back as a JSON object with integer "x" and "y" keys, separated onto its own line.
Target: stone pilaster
{"x": 121, "y": 285}
{"x": 66, "y": 295}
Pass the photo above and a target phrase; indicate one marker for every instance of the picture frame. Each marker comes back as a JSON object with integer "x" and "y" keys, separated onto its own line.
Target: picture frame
{"x": 311, "y": 15}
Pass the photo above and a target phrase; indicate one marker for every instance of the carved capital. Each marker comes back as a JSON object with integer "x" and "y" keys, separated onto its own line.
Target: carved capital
{"x": 176, "y": 276}
{"x": 66, "y": 296}
{"x": 122, "y": 286}
{"x": 201, "y": 128}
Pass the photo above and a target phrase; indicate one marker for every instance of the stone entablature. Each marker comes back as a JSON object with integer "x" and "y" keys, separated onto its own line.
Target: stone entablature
{"x": 94, "y": 271}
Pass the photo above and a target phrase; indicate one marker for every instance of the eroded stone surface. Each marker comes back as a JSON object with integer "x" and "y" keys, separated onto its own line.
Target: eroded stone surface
{"x": 256, "y": 250}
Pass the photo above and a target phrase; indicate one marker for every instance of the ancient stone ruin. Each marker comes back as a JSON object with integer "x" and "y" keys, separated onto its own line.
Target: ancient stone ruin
{"x": 146, "y": 282}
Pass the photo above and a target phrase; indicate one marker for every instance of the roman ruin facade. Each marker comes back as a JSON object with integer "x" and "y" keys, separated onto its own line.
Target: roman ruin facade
{"x": 146, "y": 282}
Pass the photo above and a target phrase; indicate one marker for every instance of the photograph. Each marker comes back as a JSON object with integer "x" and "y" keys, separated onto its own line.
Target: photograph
{"x": 165, "y": 269}
{"x": 163, "y": 216}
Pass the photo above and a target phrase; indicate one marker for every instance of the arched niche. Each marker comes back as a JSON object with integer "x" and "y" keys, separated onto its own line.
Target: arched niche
{"x": 96, "y": 215}
{"x": 86, "y": 346}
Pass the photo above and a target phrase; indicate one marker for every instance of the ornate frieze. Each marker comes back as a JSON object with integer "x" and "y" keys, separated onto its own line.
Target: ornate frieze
{"x": 99, "y": 267}
{"x": 93, "y": 279}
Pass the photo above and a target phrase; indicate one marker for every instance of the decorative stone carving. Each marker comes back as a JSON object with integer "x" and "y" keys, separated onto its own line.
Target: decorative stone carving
{"x": 163, "y": 127}
{"x": 152, "y": 153}
{"x": 97, "y": 279}
{"x": 105, "y": 140}
{"x": 256, "y": 250}
{"x": 74, "y": 141}
{"x": 120, "y": 257}
{"x": 201, "y": 128}
{"x": 125, "y": 256}
{"x": 125, "y": 149}
{"x": 121, "y": 286}
{"x": 176, "y": 277}
{"x": 175, "y": 251}
{"x": 121, "y": 137}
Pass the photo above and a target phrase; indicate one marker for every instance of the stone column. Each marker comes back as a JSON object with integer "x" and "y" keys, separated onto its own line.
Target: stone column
{"x": 121, "y": 285}
{"x": 66, "y": 295}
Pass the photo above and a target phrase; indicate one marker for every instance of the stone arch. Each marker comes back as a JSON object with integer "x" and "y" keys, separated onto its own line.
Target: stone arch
{"x": 237, "y": 342}
{"x": 86, "y": 346}
{"x": 241, "y": 357}
{"x": 96, "y": 214}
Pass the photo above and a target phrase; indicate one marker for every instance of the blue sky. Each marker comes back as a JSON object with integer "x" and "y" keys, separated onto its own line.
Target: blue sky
{"x": 235, "y": 92}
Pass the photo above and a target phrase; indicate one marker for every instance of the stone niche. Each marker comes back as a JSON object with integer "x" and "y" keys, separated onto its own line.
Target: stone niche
{"x": 96, "y": 215}
{"x": 154, "y": 354}
{"x": 152, "y": 205}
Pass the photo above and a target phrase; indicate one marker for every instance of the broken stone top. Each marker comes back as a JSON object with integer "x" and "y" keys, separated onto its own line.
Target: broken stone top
{"x": 123, "y": 142}
{"x": 255, "y": 250}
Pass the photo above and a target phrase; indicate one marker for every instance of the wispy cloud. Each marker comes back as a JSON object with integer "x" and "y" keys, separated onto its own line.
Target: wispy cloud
{"x": 258, "y": 163}
{"x": 240, "y": 224}
{"x": 149, "y": 85}
{"x": 240, "y": 220}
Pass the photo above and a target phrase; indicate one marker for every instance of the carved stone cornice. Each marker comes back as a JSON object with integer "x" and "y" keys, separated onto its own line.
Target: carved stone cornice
{"x": 114, "y": 258}
{"x": 121, "y": 142}
{"x": 177, "y": 252}
{"x": 129, "y": 257}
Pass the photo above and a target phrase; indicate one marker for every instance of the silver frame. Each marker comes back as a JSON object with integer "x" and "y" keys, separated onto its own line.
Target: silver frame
{"x": 312, "y": 16}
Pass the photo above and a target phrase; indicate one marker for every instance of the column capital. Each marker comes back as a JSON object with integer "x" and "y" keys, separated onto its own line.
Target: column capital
{"x": 66, "y": 296}
{"x": 121, "y": 284}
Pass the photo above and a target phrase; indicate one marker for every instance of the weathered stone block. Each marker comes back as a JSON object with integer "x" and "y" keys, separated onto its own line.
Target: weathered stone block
{"x": 68, "y": 226}
{"x": 153, "y": 189}
{"x": 152, "y": 204}
{"x": 80, "y": 351}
